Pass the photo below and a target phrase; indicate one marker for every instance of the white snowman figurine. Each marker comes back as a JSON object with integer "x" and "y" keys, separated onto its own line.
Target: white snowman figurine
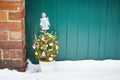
{"x": 44, "y": 22}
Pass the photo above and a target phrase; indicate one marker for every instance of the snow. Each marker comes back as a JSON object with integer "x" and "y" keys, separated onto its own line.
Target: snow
{"x": 68, "y": 70}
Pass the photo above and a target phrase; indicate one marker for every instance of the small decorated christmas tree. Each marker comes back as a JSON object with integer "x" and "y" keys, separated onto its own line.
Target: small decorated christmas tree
{"x": 46, "y": 45}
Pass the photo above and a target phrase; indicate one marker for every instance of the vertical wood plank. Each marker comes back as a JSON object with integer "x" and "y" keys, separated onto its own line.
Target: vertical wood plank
{"x": 84, "y": 17}
{"x": 72, "y": 29}
{"x": 51, "y": 13}
{"x": 61, "y": 28}
{"x": 103, "y": 18}
{"x": 37, "y": 15}
{"x": 118, "y": 45}
{"x": 94, "y": 29}
{"x": 29, "y": 24}
{"x": 115, "y": 29}
{"x": 111, "y": 35}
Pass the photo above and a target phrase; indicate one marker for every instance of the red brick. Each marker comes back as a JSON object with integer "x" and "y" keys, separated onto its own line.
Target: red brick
{"x": 11, "y": 25}
{"x": 5, "y": 53}
{"x": 20, "y": 65}
{"x": 11, "y": 5}
{"x": 15, "y": 54}
{"x": 10, "y": 44}
{"x": 3, "y": 16}
{"x": 23, "y": 34}
{"x": 16, "y": 35}
{"x": 0, "y": 54}
{"x": 24, "y": 52}
{"x": 16, "y": 15}
{"x": 3, "y": 35}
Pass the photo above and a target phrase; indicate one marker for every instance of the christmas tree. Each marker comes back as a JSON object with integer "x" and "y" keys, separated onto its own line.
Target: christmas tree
{"x": 46, "y": 45}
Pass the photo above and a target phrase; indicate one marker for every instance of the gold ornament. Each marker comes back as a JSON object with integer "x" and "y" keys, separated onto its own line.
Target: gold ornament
{"x": 36, "y": 53}
{"x": 42, "y": 38}
{"x": 56, "y": 47}
{"x": 50, "y": 36}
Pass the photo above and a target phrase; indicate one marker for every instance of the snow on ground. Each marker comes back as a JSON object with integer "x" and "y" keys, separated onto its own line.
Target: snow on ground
{"x": 68, "y": 70}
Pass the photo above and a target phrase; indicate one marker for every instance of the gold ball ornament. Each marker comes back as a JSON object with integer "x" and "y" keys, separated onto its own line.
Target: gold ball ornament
{"x": 56, "y": 47}
{"x": 36, "y": 53}
{"x": 42, "y": 38}
{"x": 50, "y": 36}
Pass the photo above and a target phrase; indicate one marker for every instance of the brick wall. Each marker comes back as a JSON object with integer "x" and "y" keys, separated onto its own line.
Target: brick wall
{"x": 12, "y": 35}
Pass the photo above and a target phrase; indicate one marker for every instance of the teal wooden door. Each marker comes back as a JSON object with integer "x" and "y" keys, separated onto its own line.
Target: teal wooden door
{"x": 86, "y": 29}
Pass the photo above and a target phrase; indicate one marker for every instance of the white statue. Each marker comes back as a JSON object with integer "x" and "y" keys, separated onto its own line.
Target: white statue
{"x": 44, "y": 22}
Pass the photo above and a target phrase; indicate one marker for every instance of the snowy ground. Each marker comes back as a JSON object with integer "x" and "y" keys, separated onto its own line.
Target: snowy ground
{"x": 68, "y": 70}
